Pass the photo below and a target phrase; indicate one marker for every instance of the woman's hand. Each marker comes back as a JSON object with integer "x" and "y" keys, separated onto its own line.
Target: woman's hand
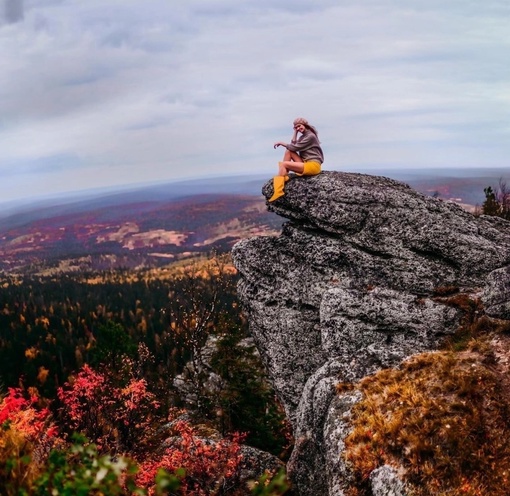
{"x": 279, "y": 143}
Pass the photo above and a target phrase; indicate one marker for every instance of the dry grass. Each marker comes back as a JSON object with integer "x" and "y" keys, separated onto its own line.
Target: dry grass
{"x": 442, "y": 419}
{"x": 473, "y": 324}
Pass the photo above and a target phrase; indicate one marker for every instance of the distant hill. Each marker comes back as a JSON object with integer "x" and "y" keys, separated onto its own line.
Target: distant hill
{"x": 463, "y": 186}
{"x": 18, "y": 213}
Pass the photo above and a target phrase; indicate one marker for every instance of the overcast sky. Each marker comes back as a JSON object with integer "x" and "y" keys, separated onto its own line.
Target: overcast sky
{"x": 99, "y": 93}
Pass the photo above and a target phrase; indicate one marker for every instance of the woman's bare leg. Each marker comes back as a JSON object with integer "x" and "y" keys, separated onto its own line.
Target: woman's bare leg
{"x": 289, "y": 156}
{"x": 286, "y": 167}
{"x": 291, "y": 162}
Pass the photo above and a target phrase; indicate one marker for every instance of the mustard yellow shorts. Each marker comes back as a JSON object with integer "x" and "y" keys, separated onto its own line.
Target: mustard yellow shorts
{"x": 310, "y": 169}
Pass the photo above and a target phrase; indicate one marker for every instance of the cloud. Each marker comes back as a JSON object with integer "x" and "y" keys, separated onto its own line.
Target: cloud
{"x": 53, "y": 163}
{"x": 13, "y": 10}
{"x": 165, "y": 90}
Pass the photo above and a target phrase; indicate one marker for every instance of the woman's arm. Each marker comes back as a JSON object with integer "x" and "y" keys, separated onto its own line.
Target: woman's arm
{"x": 280, "y": 143}
{"x": 306, "y": 141}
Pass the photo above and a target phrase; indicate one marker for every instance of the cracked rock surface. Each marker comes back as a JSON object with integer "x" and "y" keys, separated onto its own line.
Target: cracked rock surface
{"x": 348, "y": 288}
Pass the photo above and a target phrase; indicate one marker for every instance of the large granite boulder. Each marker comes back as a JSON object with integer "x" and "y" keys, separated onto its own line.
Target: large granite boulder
{"x": 348, "y": 288}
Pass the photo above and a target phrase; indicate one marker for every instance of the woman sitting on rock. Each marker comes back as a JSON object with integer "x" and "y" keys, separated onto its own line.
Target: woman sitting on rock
{"x": 303, "y": 156}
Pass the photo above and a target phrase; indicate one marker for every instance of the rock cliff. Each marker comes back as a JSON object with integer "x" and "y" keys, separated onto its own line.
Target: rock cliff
{"x": 348, "y": 288}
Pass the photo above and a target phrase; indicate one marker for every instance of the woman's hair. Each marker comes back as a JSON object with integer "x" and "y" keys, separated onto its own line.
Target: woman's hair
{"x": 302, "y": 120}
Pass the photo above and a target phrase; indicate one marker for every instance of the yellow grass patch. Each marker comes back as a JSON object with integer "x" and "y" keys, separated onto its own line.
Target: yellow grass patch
{"x": 442, "y": 419}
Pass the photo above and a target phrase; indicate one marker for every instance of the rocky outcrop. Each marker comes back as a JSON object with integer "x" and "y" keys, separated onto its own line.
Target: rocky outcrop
{"x": 348, "y": 288}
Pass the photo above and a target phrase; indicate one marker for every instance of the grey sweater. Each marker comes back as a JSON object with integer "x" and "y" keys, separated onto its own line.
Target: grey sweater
{"x": 307, "y": 147}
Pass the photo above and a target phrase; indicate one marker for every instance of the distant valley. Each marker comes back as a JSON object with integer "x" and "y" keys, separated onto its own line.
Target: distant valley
{"x": 154, "y": 225}
{"x": 131, "y": 235}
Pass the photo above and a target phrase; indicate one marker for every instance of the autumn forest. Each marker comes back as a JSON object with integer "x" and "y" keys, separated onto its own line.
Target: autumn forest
{"x": 146, "y": 380}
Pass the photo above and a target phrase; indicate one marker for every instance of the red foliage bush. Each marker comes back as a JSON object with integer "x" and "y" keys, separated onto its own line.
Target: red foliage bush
{"x": 20, "y": 412}
{"x": 211, "y": 466}
{"x": 26, "y": 437}
{"x": 113, "y": 417}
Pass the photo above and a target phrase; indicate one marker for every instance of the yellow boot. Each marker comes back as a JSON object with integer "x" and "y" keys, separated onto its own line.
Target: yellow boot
{"x": 278, "y": 184}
